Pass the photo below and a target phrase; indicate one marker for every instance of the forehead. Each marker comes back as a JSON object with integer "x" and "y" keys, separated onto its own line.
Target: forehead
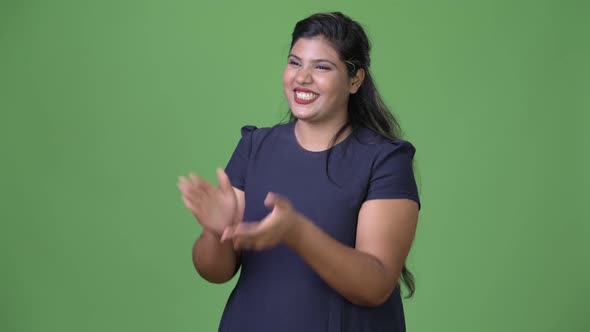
{"x": 313, "y": 48}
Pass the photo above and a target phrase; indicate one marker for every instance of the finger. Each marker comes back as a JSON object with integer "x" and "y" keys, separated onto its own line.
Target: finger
{"x": 248, "y": 237}
{"x": 183, "y": 183}
{"x": 224, "y": 183}
{"x": 250, "y": 244}
{"x": 270, "y": 200}
{"x": 186, "y": 186}
{"x": 244, "y": 244}
{"x": 266, "y": 225}
{"x": 202, "y": 186}
{"x": 227, "y": 234}
{"x": 208, "y": 189}
{"x": 246, "y": 230}
{"x": 196, "y": 185}
{"x": 241, "y": 244}
{"x": 194, "y": 203}
{"x": 188, "y": 203}
{"x": 274, "y": 200}
{"x": 196, "y": 180}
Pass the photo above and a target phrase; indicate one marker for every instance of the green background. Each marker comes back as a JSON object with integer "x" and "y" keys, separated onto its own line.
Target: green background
{"x": 105, "y": 103}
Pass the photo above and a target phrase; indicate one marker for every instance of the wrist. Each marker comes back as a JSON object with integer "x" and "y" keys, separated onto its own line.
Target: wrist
{"x": 295, "y": 234}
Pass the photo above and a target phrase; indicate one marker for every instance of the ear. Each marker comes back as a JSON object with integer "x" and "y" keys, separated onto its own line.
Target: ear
{"x": 357, "y": 80}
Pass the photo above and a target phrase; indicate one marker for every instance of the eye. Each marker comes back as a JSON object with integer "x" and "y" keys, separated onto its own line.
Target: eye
{"x": 322, "y": 67}
{"x": 293, "y": 62}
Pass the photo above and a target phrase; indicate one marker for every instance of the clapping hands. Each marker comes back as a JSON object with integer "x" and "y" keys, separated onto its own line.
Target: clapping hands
{"x": 276, "y": 227}
{"x": 216, "y": 209}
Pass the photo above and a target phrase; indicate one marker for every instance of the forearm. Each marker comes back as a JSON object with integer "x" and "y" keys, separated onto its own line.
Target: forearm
{"x": 359, "y": 277}
{"x": 215, "y": 261}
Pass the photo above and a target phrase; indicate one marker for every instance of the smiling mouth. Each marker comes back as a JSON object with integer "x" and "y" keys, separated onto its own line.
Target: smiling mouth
{"x": 305, "y": 97}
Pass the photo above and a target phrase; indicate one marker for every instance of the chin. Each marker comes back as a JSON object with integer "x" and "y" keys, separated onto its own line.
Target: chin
{"x": 302, "y": 115}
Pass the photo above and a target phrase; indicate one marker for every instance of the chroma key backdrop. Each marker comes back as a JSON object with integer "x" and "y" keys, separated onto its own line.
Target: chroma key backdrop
{"x": 104, "y": 104}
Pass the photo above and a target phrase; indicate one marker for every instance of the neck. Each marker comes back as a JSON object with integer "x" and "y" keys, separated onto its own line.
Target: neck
{"x": 319, "y": 136}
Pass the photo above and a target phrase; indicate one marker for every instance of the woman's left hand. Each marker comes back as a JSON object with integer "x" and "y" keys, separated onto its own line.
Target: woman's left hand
{"x": 267, "y": 233}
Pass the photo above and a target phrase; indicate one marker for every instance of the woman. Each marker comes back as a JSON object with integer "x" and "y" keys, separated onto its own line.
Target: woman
{"x": 320, "y": 212}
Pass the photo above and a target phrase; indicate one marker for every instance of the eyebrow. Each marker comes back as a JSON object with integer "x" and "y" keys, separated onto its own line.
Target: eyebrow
{"x": 316, "y": 60}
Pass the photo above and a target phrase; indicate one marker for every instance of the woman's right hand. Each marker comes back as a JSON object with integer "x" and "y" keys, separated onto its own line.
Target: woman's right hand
{"x": 214, "y": 208}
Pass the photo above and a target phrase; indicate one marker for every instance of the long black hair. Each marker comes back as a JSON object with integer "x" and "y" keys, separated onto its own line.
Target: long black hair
{"x": 365, "y": 107}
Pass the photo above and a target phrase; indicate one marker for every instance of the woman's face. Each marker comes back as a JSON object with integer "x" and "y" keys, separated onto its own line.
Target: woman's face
{"x": 316, "y": 81}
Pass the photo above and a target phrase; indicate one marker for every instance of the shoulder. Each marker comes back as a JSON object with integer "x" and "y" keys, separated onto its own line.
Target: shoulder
{"x": 255, "y": 131}
{"x": 379, "y": 146}
{"x": 256, "y": 135}
{"x": 252, "y": 140}
{"x": 391, "y": 166}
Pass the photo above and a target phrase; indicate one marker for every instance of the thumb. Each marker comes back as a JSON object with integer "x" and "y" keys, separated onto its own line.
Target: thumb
{"x": 224, "y": 183}
{"x": 274, "y": 200}
{"x": 228, "y": 232}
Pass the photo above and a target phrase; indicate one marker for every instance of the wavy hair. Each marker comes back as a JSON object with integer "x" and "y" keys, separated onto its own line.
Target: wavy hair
{"x": 365, "y": 107}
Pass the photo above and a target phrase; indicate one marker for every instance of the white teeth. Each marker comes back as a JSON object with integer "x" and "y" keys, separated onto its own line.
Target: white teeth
{"x": 305, "y": 95}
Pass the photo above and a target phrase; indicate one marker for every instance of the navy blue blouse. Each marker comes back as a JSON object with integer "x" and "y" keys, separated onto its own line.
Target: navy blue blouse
{"x": 277, "y": 290}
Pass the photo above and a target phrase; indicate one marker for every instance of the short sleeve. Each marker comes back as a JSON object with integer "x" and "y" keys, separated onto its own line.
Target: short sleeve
{"x": 392, "y": 174}
{"x": 238, "y": 162}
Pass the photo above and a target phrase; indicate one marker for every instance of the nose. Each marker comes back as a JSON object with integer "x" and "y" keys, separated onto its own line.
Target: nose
{"x": 304, "y": 76}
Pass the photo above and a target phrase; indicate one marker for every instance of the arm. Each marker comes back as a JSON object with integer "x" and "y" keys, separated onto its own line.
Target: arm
{"x": 215, "y": 209}
{"x": 215, "y": 261}
{"x": 365, "y": 275}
